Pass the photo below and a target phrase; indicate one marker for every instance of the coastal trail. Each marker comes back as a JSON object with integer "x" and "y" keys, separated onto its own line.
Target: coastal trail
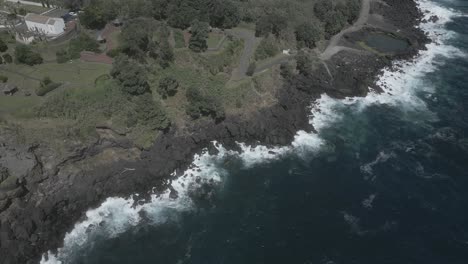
{"x": 333, "y": 47}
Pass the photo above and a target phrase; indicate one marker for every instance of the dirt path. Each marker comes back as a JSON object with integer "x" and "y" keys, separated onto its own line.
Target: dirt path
{"x": 333, "y": 47}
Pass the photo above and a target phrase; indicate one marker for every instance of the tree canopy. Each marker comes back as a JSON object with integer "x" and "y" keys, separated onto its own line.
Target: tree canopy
{"x": 131, "y": 75}
{"x": 25, "y": 55}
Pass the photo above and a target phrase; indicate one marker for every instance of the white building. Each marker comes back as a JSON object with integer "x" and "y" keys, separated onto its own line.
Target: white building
{"x": 49, "y": 26}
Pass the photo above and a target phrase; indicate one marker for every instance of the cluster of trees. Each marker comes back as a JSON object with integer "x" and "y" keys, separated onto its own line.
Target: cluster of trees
{"x": 336, "y": 16}
{"x": 25, "y": 55}
{"x": 307, "y": 34}
{"x": 131, "y": 77}
{"x": 5, "y": 58}
{"x": 143, "y": 38}
{"x": 81, "y": 43}
{"x": 177, "y": 13}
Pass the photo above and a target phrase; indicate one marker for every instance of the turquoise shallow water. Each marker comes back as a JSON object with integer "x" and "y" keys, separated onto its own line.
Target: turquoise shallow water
{"x": 389, "y": 186}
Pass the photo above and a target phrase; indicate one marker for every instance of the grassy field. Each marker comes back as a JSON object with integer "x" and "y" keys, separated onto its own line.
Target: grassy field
{"x": 75, "y": 74}
{"x": 178, "y": 38}
{"x": 214, "y": 39}
{"x": 34, "y": 9}
{"x": 18, "y": 106}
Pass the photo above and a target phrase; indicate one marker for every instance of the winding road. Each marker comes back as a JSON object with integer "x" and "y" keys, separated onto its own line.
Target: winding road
{"x": 333, "y": 47}
{"x": 250, "y": 42}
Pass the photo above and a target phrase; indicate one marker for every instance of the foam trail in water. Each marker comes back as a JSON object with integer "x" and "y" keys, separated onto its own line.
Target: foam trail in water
{"x": 399, "y": 83}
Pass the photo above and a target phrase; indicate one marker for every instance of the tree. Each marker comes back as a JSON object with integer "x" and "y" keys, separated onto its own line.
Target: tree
{"x": 334, "y": 22}
{"x": 201, "y": 104}
{"x": 166, "y": 54}
{"x": 303, "y": 63}
{"x": 7, "y": 58}
{"x": 251, "y": 69}
{"x": 168, "y": 87}
{"x": 307, "y": 34}
{"x": 24, "y": 54}
{"x": 131, "y": 76}
{"x": 223, "y": 14}
{"x": 3, "y": 46}
{"x": 322, "y": 8}
{"x": 199, "y": 36}
{"x": 94, "y": 16}
{"x": 285, "y": 71}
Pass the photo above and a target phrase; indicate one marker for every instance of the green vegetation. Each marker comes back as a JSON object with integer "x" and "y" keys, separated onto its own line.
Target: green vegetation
{"x": 3, "y": 46}
{"x": 268, "y": 47}
{"x": 7, "y": 58}
{"x": 221, "y": 61}
{"x": 24, "y": 54}
{"x": 303, "y": 63}
{"x": 198, "y": 40}
{"x": 82, "y": 43}
{"x": 144, "y": 38}
{"x": 167, "y": 87}
{"x": 130, "y": 75}
{"x": 179, "y": 38}
{"x": 307, "y": 34}
{"x": 3, "y": 78}
{"x": 251, "y": 69}
{"x": 203, "y": 104}
{"x": 47, "y": 86}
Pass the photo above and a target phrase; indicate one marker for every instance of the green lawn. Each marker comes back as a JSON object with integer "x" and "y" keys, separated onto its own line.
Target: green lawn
{"x": 214, "y": 39}
{"x": 77, "y": 72}
{"x": 179, "y": 38}
{"x": 34, "y": 9}
{"x": 18, "y": 106}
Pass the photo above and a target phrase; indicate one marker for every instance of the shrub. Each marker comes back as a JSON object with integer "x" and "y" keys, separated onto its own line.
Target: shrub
{"x": 168, "y": 87}
{"x": 7, "y": 58}
{"x": 24, "y": 54}
{"x": 3, "y": 46}
{"x": 47, "y": 86}
{"x": 22, "y": 11}
{"x": 113, "y": 52}
{"x": 3, "y": 78}
{"x": 251, "y": 69}
{"x": 62, "y": 56}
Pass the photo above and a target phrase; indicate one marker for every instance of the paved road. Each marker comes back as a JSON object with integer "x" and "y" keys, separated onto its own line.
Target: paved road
{"x": 250, "y": 42}
{"x": 333, "y": 47}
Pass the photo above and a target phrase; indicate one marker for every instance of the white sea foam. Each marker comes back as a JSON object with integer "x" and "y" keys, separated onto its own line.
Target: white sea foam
{"x": 400, "y": 84}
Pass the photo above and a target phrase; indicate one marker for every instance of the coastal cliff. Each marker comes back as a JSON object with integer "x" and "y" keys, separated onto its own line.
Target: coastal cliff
{"x": 45, "y": 193}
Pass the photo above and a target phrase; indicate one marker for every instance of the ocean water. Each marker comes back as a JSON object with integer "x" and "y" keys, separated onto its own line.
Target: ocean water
{"x": 384, "y": 180}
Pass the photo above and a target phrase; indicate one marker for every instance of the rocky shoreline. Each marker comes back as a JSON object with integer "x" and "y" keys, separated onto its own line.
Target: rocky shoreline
{"x": 52, "y": 193}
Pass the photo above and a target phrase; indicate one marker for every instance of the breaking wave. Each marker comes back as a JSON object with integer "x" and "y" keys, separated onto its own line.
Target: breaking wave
{"x": 400, "y": 83}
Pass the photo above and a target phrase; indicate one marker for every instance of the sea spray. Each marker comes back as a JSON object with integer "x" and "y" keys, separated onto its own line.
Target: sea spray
{"x": 117, "y": 215}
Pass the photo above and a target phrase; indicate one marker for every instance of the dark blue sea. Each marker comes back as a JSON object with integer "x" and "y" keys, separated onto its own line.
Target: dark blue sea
{"x": 385, "y": 181}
